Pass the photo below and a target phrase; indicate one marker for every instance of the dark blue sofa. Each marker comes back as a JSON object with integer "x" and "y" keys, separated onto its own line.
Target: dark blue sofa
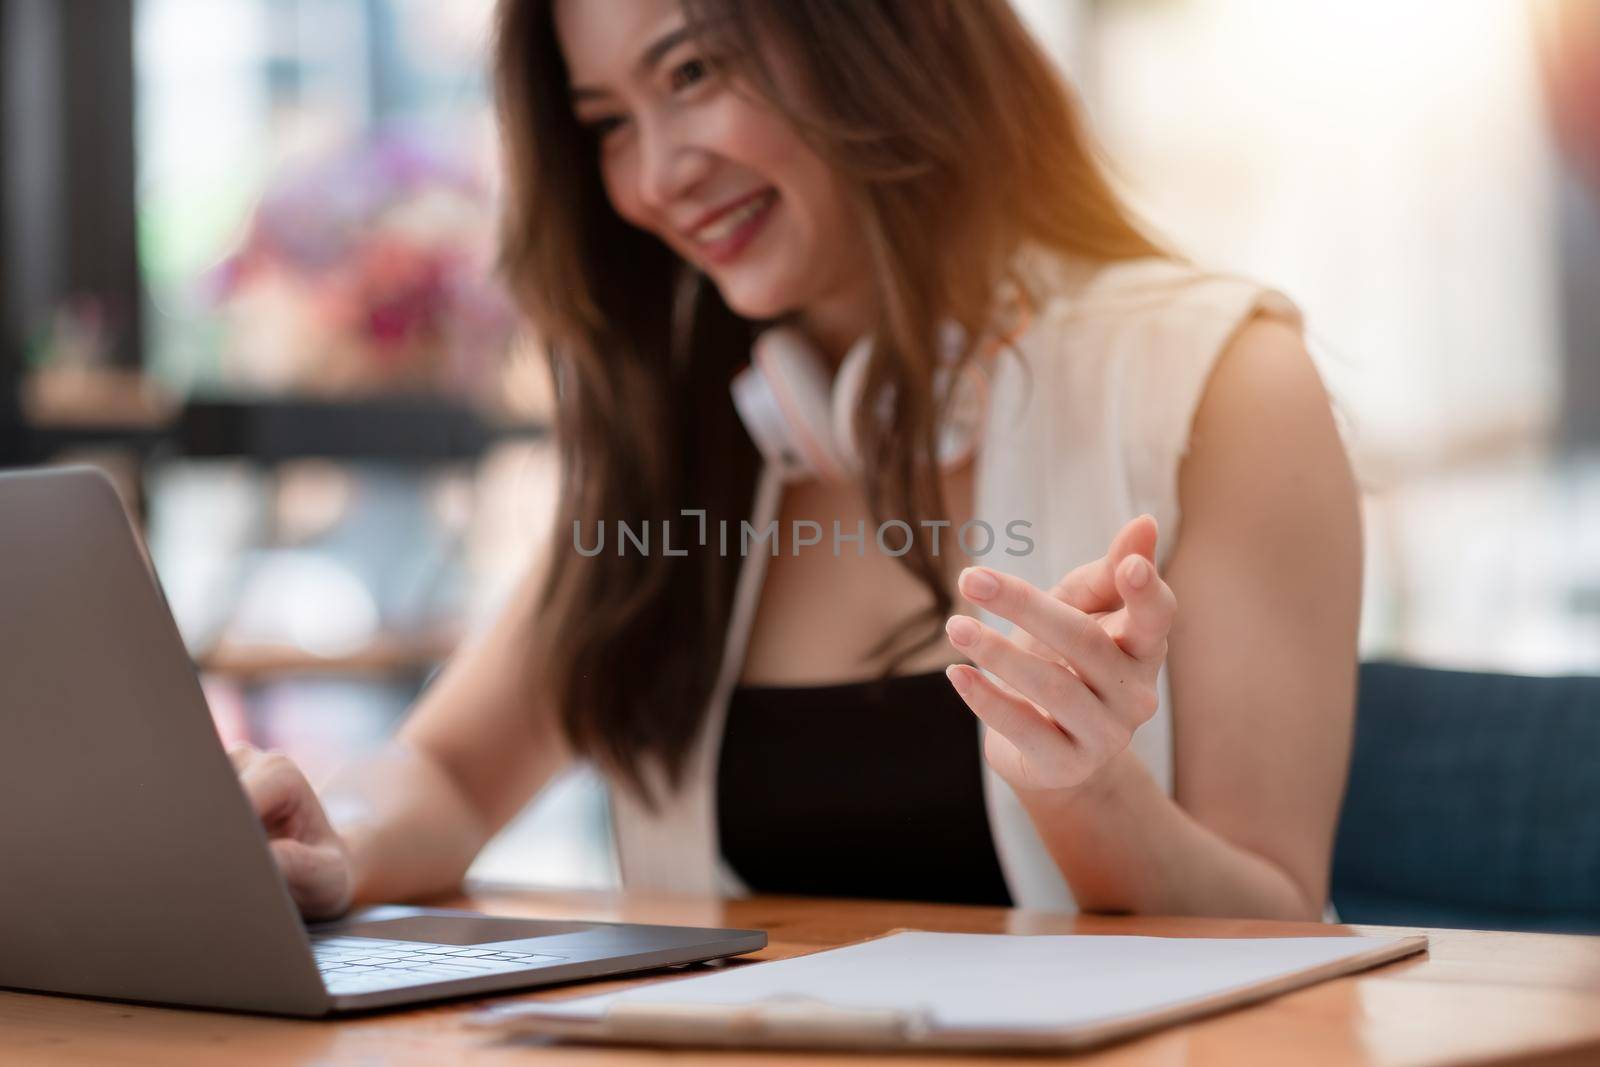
{"x": 1474, "y": 801}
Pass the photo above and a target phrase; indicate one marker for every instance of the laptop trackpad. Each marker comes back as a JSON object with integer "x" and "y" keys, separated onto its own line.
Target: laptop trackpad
{"x": 456, "y": 929}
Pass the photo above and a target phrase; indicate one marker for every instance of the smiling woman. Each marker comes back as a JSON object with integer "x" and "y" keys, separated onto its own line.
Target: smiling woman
{"x": 721, "y": 177}
{"x": 875, "y": 218}
{"x": 681, "y": 178}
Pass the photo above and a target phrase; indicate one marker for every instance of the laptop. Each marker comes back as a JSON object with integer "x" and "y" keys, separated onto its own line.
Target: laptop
{"x": 131, "y": 863}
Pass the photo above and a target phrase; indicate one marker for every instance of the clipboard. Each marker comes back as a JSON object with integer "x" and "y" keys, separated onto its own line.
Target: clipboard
{"x": 913, "y": 990}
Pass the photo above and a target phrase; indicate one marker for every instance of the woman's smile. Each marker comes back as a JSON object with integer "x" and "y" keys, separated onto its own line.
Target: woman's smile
{"x": 691, "y": 151}
{"x": 721, "y": 235}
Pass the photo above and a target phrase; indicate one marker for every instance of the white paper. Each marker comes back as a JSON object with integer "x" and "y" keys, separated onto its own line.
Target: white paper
{"x": 991, "y": 981}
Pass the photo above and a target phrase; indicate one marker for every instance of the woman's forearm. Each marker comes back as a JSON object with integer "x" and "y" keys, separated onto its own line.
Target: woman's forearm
{"x": 408, "y": 828}
{"x": 1124, "y": 845}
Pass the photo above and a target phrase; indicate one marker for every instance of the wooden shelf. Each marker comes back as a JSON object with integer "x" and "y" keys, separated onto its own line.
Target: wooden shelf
{"x": 415, "y": 429}
{"x": 388, "y": 655}
{"x": 64, "y": 410}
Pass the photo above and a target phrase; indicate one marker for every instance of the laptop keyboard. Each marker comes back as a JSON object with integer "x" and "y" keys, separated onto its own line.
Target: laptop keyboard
{"x": 367, "y": 964}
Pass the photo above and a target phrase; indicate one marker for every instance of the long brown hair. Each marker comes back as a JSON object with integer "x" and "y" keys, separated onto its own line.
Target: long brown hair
{"x": 958, "y": 145}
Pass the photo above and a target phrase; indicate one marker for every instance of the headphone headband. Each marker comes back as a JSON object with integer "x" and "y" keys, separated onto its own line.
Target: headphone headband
{"x": 804, "y": 424}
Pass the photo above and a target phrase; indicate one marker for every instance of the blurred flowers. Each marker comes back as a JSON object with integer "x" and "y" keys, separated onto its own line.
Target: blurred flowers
{"x": 368, "y": 271}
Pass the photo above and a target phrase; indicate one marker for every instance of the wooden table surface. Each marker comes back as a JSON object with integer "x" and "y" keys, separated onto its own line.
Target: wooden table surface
{"x": 1476, "y": 997}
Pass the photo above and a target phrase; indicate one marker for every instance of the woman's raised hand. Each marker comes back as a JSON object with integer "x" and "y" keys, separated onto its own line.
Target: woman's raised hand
{"x": 309, "y": 852}
{"x": 1077, "y": 676}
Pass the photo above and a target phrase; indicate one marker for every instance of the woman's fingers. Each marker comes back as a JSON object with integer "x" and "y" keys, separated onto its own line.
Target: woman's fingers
{"x": 1049, "y": 686}
{"x": 273, "y": 784}
{"x": 308, "y": 852}
{"x": 1092, "y": 587}
{"x": 1120, "y": 673}
{"x": 1150, "y": 607}
{"x": 317, "y": 875}
{"x": 1027, "y": 748}
{"x": 1062, "y": 629}
{"x": 280, "y": 794}
{"x": 1065, "y": 690}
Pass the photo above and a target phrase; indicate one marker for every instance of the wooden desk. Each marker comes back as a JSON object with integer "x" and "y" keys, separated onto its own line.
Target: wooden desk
{"x": 1477, "y": 997}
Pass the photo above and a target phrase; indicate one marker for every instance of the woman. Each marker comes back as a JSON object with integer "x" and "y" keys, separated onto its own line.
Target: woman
{"x": 902, "y": 186}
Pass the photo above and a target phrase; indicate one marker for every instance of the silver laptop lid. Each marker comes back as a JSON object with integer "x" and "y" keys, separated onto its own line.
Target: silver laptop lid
{"x": 131, "y": 864}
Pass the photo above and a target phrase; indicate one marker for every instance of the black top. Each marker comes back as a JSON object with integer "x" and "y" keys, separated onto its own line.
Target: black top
{"x": 868, "y": 789}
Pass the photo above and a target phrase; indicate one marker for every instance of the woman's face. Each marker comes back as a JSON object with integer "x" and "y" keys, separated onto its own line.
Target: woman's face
{"x": 708, "y": 167}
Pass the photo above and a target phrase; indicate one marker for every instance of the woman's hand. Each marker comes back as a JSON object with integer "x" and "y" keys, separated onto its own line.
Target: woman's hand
{"x": 1078, "y": 674}
{"x": 310, "y": 854}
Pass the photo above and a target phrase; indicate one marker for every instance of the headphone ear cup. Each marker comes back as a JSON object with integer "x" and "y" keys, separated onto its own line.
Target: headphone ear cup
{"x": 783, "y": 398}
{"x": 958, "y": 434}
{"x": 763, "y": 421}
{"x": 805, "y": 425}
{"x": 848, "y": 385}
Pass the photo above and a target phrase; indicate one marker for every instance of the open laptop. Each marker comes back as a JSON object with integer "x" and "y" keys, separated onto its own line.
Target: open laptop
{"x": 131, "y": 863}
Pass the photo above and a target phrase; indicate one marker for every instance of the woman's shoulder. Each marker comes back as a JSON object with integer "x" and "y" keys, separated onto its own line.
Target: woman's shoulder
{"x": 1140, "y": 334}
{"x": 1122, "y": 351}
{"x": 1155, "y": 295}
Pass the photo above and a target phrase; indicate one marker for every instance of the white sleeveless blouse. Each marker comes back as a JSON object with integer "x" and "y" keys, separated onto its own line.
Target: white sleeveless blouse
{"x": 1085, "y": 431}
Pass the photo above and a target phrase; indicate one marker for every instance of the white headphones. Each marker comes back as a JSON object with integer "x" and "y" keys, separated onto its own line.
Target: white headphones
{"x": 806, "y": 427}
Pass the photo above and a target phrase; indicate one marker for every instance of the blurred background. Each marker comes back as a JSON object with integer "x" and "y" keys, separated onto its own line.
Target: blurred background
{"x": 246, "y": 264}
